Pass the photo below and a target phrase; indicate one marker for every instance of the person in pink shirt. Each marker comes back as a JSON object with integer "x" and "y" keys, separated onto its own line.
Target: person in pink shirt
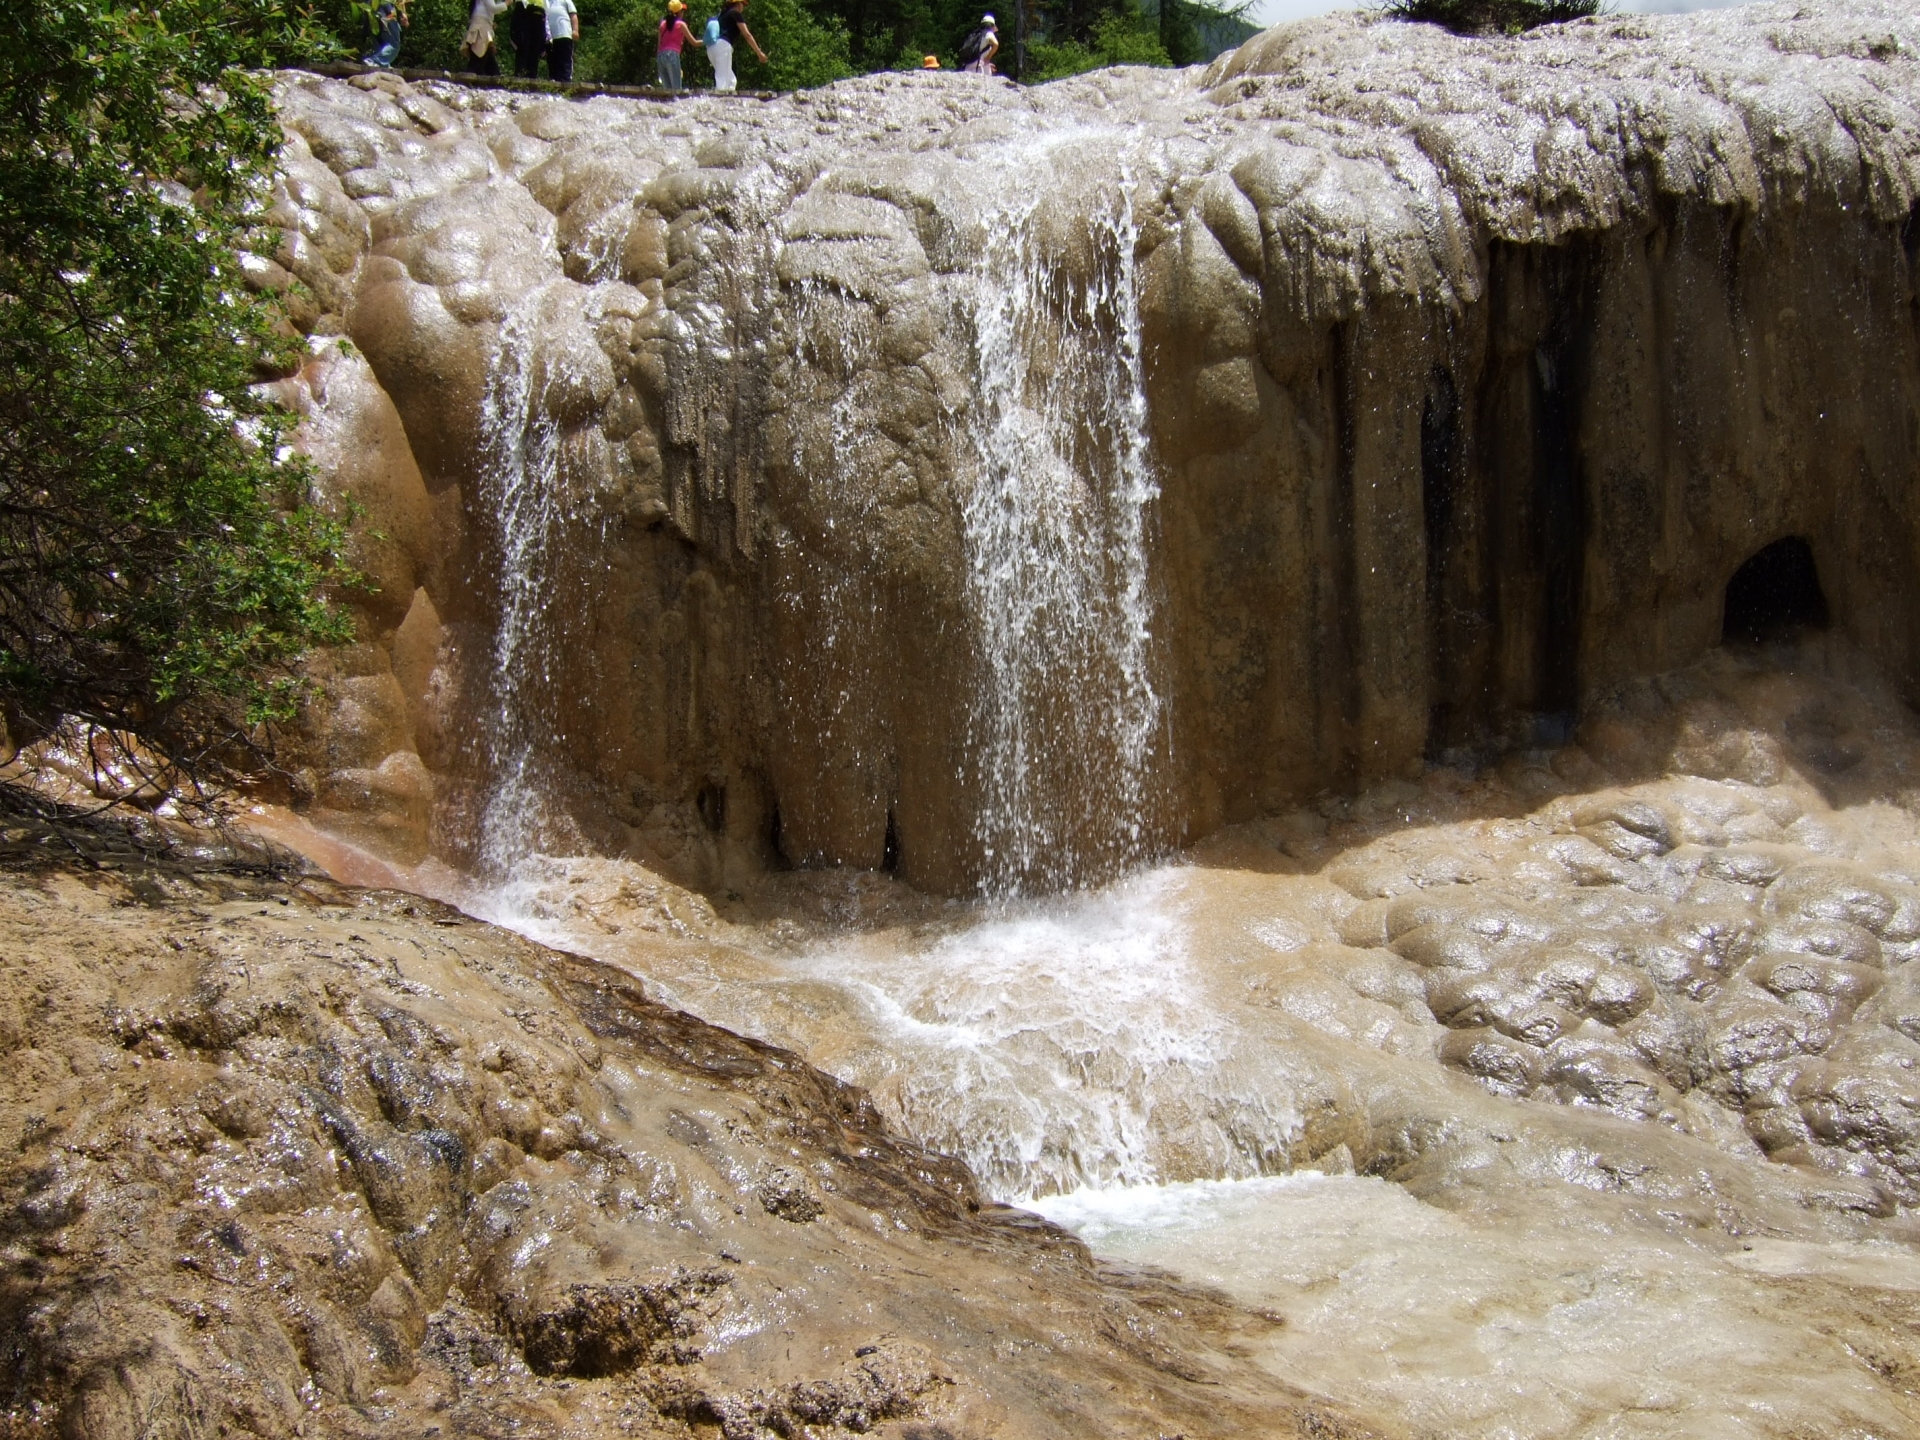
{"x": 674, "y": 35}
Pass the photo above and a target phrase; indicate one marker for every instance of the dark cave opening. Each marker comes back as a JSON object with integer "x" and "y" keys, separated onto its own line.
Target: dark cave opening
{"x": 1774, "y": 593}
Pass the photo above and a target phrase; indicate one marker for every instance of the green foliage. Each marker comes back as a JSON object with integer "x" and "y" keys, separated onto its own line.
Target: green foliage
{"x": 1081, "y": 35}
{"x": 1482, "y": 17}
{"x": 804, "y": 50}
{"x": 1194, "y": 31}
{"x": 1122, "y": 37}
{"x": 620, "y": 49}
{"x": 161, "y": 565}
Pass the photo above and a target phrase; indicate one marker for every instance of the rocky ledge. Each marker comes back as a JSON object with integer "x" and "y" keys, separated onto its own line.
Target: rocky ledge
{"x": 727, "y": 464}
{"x": 287, "y": 1159}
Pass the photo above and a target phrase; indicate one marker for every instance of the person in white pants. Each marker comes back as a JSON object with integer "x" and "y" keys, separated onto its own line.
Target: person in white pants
{"x": 733, "y": 29}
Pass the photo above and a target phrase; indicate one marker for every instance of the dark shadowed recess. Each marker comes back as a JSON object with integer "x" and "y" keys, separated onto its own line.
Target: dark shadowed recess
{"x": 1504, "y": 509}
{"x": 1776, "y": 592}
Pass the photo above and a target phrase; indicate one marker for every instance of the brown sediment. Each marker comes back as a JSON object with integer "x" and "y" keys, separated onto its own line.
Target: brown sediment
{"x": 291, "y": 1159}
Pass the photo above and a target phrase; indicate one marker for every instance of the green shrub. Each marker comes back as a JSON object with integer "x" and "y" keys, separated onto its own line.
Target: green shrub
{"x": 1484, "y": 17}
{"x": 161, "y": 560}
{"x": 1121, "y": 38}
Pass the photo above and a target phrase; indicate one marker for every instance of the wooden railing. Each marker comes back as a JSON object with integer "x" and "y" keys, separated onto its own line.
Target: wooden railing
{"x": 347, "y": 69}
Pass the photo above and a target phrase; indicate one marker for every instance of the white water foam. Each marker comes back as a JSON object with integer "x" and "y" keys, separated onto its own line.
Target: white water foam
{"x": 1055, "y": 1045}
{"x": 1127, "y": 1218}
{"x": 1055, "y": 513}
{"x": 520, "y": 480}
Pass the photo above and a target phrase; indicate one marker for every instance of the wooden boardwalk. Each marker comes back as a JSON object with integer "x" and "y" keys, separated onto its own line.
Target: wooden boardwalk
{"x": 569, "y": 89}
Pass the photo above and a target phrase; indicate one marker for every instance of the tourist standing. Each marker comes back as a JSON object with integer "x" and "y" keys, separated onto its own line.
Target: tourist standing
{"x": 733, "y": 29}
{"x": 674, "y": 35}
{"x": 388, "y": 17}
{"x": 528, "y": 27}
{"x": 720, "y": 52}
{"x": 979, "y": 48}
{"x": 563, "y": 28}
{"x": 479, "y": 55}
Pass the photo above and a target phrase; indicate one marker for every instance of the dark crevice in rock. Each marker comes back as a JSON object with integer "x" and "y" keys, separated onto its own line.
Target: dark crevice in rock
{"x": 1776, "y": 592}
{"x": 1440, "y": 485}
{"x": 1345, "y": 689}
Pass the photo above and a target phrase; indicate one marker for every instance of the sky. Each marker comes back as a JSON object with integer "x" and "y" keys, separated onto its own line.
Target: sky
{"x": 1272, "y": 12}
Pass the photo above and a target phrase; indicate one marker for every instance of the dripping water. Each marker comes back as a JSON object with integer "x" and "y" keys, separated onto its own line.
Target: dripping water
{"x": 1055, "y": 509}
{"x": 518, "y": 476}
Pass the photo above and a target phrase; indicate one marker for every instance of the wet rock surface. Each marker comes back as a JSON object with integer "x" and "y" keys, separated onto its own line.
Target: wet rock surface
{"x": 1556, "y": 1064}
{"x": 1443, "y": 384}
{"x": 290, "y": 1159}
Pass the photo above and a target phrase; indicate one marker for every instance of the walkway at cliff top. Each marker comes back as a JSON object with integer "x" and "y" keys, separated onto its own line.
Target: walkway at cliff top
{"x": 517, "y": 84}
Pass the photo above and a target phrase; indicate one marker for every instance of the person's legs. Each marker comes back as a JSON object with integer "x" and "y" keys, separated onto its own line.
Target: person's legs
{"x": 529, "y": 39}
{"x": 489, "y": 63}
{"x": 721, "y": 53}
{"x": 560, "y": 59}
{"x": 389, "y": 50}
{"x": 669, "y": 69}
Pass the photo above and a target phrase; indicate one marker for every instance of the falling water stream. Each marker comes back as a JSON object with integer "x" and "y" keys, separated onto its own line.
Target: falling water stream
{"x": 1059, "y": 484}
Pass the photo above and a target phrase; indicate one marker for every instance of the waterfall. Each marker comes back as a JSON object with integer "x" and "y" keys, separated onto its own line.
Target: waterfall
{"x": 1055, "y": 482}
{"x": 520, "y": 488}
{"x": 1055, "y": 512}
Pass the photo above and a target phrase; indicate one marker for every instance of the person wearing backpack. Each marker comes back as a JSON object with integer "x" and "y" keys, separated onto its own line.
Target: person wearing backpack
{"x": 979, "y": 48}
{"x": 674, "y": 36}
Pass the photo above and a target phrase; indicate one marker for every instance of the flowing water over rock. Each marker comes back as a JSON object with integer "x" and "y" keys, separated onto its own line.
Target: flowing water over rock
{"x": 1001, "y": 486}
{"x": 1057, "y": 479}
{"x": 1528, "y": 1099}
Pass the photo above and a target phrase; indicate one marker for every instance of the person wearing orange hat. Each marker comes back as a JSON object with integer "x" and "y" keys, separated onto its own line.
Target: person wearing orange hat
{"x": 674, "y": 35}
{"x": 932, "y": 62}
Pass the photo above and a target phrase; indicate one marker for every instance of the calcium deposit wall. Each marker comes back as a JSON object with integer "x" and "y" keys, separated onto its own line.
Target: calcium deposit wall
{"x": 999, "y": 484}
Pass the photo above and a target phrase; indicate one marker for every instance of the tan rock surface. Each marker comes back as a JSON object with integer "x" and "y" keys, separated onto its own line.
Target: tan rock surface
{"x": 288, "y": 1159}
{"x": 999, "y": 483}
{"x": 1607, "y": 1060}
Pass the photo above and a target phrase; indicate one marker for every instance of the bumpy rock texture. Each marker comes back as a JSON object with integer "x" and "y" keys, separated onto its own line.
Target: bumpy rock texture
{"x": 1375, "y": 393}
{"x": 1619, "y": 1037}
{"x": 286, "y": 1159}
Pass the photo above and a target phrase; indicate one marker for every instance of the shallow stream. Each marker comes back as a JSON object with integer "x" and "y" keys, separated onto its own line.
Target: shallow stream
{"x": 1619, "y": 1039}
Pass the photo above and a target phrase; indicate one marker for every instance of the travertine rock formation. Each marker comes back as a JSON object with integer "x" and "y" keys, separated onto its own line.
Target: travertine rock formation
{"x": 994, "y": 484}
{"x": 285, "y": 1159}
{"x": 1621, "y": 1039}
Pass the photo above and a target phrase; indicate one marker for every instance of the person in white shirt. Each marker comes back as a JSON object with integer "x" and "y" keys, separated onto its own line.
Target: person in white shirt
{"x": 478, "y": 53}
{"x": 563, "y": 28}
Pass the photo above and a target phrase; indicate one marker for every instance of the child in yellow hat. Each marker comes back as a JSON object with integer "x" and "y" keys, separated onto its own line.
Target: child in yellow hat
{"x": 674, "y": 36}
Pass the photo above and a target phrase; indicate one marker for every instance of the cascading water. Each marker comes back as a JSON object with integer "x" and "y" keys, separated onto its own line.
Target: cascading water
{"x": 521, "y": 474}
{"x": 1056, "y": 513}
{"x": 1138, "y": 1060}
{"x": 526, "y": 492}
